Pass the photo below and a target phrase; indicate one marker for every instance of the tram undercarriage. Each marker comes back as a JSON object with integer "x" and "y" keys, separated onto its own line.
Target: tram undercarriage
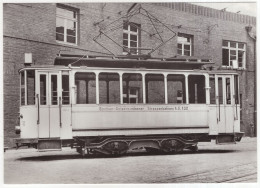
{"x": 118, "y": 145}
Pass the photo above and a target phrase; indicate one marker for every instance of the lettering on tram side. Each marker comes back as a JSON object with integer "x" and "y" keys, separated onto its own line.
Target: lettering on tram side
{"x": 143, "y": 108}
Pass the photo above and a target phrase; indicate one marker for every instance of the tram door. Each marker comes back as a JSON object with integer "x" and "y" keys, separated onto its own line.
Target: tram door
{"x": 225, "y": 103}
{"x": 48, "y": 100}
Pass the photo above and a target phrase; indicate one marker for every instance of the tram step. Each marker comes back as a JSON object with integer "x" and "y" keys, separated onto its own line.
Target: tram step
{"x": 49, "y": 144}
{"x": 225, "y": 139}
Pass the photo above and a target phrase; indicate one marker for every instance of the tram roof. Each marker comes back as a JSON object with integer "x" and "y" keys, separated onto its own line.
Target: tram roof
{"x": 187, "y": 63}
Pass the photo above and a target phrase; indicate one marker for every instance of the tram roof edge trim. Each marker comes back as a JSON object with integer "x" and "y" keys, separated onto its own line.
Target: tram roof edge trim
{"x": 188, "y": 63}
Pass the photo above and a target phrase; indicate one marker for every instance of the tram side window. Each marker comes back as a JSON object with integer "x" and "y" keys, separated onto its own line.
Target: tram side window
{"x": 30, "y": 87}
{"x": 43, "y": 91}
{"x": 176, "y": 88}
{"x": 132, "y": 88}
{"x": 212, "y": 90}
{"x": 86, "y": 88}
{"x": 65, "y": 89}
{"x": 220, "y": 91}
{"x": 109, "y": 88}
{"x": 22, "y": 88}
{"x": 197, "y": 92}
{"x": 154, "y": 87}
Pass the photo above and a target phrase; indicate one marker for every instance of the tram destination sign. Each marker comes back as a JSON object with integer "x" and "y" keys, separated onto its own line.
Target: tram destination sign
{"x": 144, "y": 108}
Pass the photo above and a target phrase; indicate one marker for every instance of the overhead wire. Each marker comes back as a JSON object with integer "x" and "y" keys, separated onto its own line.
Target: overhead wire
{"x": 89, "y": 12}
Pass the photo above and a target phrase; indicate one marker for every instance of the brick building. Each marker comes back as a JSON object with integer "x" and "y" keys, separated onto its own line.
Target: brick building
{"x": 46, "y": 29}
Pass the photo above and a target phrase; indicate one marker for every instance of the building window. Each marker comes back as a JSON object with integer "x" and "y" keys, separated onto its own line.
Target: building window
{"x": 184, "y": 44}
{"x": 66, "y": 25}
{"x": 131, "y": 37}
{"x": 233, "y": 54}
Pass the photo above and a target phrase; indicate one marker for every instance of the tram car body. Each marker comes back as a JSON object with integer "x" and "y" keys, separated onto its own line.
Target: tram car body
{"x": 107, "y": 105}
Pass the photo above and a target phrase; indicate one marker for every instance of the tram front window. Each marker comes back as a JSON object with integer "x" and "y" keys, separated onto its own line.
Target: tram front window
{"x": 43, "y": 91}
{"x": 197, "y": 92}
{"x": 86, "y": 88}
{"x": 132, "y": 88}
{"x": 30, "y": 87}
{"x": 65, "y": 89}
{"x": 109, "y": 88}
{"x": 54, "y": 90}
{"x": 220, "y": 91}
{"x": 176, "y": 88}
{"x": 154, "y": 86}
{"x": 228, "y": 91}
{"x": 22, "y": 88}
{"x": 212, "y": 90}
{"x": 236, "y": 90}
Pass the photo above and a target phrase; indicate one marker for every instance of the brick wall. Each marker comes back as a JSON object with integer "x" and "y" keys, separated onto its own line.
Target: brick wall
{"x": 32, "y": 27}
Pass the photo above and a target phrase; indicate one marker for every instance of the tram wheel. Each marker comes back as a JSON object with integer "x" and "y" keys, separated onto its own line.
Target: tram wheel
{"x": 172, "y": 146}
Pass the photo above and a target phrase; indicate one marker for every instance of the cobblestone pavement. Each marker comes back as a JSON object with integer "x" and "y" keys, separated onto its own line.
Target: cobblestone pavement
{"x": 211, "y": 164}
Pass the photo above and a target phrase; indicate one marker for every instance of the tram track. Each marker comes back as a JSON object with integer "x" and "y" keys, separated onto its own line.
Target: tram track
{"x": 251, "y": 176}
{"x": 238, "y": 173}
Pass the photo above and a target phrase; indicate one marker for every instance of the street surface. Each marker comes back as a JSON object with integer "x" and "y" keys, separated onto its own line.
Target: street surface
{"x": 211, "y": 164}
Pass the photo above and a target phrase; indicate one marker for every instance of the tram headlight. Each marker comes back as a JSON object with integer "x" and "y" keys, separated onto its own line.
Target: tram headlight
{"x": 17, "y": 129}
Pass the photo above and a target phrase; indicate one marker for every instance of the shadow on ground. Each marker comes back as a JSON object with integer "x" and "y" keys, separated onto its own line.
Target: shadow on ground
{"x": 132, "y": 154}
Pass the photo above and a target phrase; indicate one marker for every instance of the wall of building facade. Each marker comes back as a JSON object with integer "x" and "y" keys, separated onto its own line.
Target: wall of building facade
{"x": 31, "y": 28}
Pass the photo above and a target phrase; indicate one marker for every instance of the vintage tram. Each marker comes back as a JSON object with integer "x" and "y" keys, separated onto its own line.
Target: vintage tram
{"x": 111, "y": 105}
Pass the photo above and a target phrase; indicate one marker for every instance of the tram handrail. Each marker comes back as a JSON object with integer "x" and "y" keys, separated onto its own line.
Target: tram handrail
{"x": 218, "y": 109}
{"x": 38, "y": 109}
{"x": 60, "y": 111}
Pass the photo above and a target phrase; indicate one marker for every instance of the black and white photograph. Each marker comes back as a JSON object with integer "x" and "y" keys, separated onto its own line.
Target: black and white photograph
{"x": 129, "y": 93}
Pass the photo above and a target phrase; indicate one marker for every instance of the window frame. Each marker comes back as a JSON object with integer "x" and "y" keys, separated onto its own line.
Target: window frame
{"x": 65, "y": 20}
{"x": 196, "y": 99}
{"x": 185, "y": 43}
{"x": 229, "y": 48}
{"x": 108, "y": 94}
{"x": 129, "y": 33}
{"x": 75, "y": 84}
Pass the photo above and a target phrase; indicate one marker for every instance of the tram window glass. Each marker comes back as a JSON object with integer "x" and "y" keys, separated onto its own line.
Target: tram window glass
{"x": 176, "y": 88}
{"x": 54, "y": 90}
{"x": 30, "y": 87}
{"x": 86, "y": 88}
{"x": 65, "y": 89}
{"x": 212, "y": 90}
{"x": 154, "y": 86}
{"x": 109, "y": 88}
{"x": 236, "y": 89}
{"x": 43, "y": 91}
{"x": 132, "y": 88}
{"x": 197, "y": 93}
{"x": 22, "y": 89}
{"x": 228, "y": 91}
{"x": 220, "y": 91}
